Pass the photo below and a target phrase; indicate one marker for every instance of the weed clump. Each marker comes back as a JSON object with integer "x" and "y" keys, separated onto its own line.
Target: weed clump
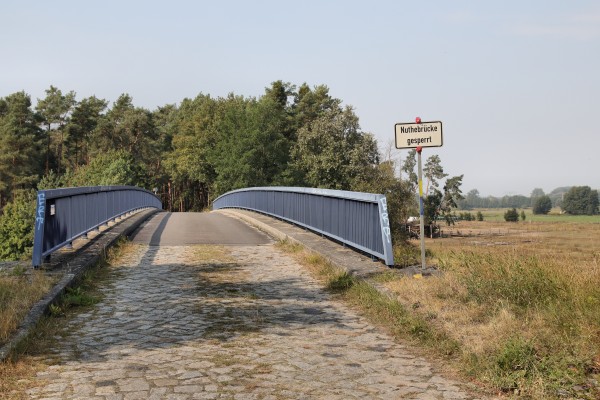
{"x": 72, "y": 298}
{"x": 341, "y": 284}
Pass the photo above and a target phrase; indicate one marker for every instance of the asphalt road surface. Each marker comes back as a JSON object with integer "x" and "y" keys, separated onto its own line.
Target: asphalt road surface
{"x": 181, "y": 229}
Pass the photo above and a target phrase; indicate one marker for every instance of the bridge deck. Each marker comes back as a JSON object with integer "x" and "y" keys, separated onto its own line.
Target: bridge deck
{"x": 181, "y": 229}
{"x": 241, "y": 321}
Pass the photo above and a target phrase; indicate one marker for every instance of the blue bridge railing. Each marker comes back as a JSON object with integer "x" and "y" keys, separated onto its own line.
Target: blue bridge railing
{"x": 63, "y": 215}
{"x": 359, "y": 220}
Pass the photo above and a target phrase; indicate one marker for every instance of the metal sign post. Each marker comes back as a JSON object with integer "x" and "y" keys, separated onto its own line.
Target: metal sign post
{"x": 416, "y": 136}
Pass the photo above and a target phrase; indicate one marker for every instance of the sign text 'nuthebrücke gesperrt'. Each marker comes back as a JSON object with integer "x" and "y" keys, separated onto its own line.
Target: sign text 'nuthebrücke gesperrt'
{"x": 424, "y": 134}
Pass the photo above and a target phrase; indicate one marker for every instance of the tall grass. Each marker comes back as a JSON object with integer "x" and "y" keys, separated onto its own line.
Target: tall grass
{"x": 18, "y": 292}
{"x": 552, "y": 337}
{"x": 509, "y": 278}
{"x": 15, "y": 379}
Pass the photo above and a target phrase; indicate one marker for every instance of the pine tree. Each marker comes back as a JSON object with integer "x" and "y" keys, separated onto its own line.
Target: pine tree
{"x": 20, "y": 165}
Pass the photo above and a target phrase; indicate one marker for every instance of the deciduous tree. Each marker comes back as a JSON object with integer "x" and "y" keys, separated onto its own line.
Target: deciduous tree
{"x": 115, "y": 167}
{"x": 581, "y": 200}
{"x": 542, "y": 205}
{"x": 399, "y": 193}
{"x": 537, "y": 192}
{"x": 188, "y": 163}
{"x": 250, "y": 149}
{"x": 332, "y": 151}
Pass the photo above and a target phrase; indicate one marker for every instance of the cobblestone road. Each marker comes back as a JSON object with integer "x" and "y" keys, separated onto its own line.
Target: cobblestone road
{"x": 248, "y": 324}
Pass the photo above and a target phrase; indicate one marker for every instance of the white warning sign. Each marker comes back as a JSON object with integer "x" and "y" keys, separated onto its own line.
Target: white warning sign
{"x": 424, "y": 134}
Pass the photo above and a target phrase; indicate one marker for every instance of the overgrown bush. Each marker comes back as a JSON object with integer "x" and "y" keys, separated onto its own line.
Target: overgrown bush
{"x": 405, "y": 254}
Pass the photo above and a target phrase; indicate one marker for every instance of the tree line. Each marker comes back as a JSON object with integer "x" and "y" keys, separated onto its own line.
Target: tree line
{"x": 192, "y": 152}
{"x": 576, "y": 200}
{"x": 189, "y": 153}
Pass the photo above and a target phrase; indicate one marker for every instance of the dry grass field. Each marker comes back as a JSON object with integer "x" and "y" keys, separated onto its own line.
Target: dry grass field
{"x": 522, "y": 300}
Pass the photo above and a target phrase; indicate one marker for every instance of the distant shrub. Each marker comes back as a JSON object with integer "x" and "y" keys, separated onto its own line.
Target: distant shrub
{"x": 542, "y": 205}
{"x": 479, "y": 216}
{"x": 511, "y": 215}
{"x": 467, "y": 216}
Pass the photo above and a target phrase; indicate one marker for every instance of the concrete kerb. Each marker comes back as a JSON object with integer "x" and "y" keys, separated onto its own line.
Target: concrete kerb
{"x": 74, "y": 268}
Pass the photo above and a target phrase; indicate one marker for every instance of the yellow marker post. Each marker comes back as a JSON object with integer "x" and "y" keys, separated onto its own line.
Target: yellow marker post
{"x": 421, "y": 207}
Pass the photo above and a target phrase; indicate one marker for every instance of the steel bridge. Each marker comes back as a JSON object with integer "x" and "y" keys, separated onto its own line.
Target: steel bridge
{"x": 357, "y": 220}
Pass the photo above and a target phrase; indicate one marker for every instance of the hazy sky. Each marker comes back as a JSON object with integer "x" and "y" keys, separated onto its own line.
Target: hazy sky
{"x": 515, "y": 83}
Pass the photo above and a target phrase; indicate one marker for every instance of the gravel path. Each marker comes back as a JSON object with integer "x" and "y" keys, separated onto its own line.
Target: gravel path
{"x": 248, "y": 324}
